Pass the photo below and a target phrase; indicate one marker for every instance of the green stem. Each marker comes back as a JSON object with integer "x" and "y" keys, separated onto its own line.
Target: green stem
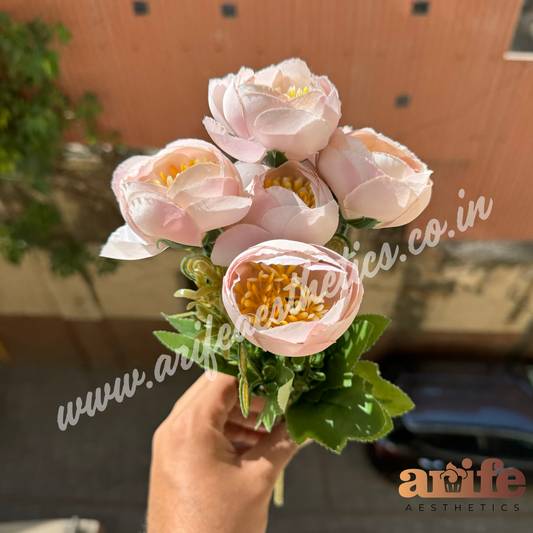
{"x": 182, "y": 315}
{"x": 344, "y": 230}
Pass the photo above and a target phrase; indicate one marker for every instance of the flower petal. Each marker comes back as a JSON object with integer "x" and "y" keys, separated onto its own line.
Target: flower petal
{"x": 127, "y": 245}
{"x": 234, "y": 111}
{"x": 197, "y": 174}
{"x": 160, "y": 218}
{"x": 382, "y": 198}
{"x": 277, "y": 220}
{"x": 392, "y": 166}
{"x": 296, "y": 132}
{"x": 270, "y": 76}
{"x": 296, "y": 73}
{"x": 256, "y": 99}
{"x": 377, "y": 142}
{"x": 216, "y": 91}
{"x": 129, "y": 166}
{"x": 412, "y": 212}
{"x": 343, "y": 171}
{"x": 219, "y": 212}
{"x": 249, "y": 171}
{"x": 262, "y": 203}
{"x": 332, "y": 112}
{"x": 243, "y": 149}
{"x": 236, "y": 240}
{"x": 315, "y": 226}
{"x": 206, "y": 189}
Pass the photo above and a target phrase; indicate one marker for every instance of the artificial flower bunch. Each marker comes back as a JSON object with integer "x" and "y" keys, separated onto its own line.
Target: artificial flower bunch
{"x": 264, "y": 218}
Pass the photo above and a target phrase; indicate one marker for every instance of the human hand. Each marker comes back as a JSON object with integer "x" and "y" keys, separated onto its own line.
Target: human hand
{"x": 199, "y": 481}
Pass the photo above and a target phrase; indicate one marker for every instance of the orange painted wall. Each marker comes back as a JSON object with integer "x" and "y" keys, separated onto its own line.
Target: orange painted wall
{"x": 471, "y": 112}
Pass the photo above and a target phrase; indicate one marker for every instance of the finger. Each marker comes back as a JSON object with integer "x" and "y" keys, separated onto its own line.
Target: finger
{"x": 237, "y": 417}
{"x": 236, "y": 433}
{"x": 188, "y": 395}
{"x": 256, "y": 404}
{"x": 271, "y": 454}
{"x": 217, "y": 400}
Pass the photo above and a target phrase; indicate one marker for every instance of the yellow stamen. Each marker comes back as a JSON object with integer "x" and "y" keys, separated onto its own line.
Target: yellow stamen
{"x": 174, "y": 173}
{"x": 275, "y": 300}
{"x": 292, "y": 92}
{"x": 298, "y": 186}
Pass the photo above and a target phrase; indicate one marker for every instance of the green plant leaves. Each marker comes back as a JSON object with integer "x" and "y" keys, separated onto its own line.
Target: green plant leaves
{"x": 379, "y": 325}
{"x": 187, "y": 326}
{"x": 276, "y": 402}
{"x": 362, "y": 223}
{"x": 275, "y": 158}
{"x": 335, "y": 396}
{"x": 354, "y": 401}
{"x": 344, "y": 354}
{"x": 185, "y": 344}
{"x": 341, "y": 414}
{"x": 208, "y": 242}
{"x": 34, "y": 116}
{"x": 341, "y": 358}
{"x": 175, "y": 245}
{"x": 391, "y": 397}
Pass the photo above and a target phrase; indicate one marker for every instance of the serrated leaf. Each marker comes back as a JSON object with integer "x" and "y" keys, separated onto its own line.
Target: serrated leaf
{"x": 187, "y": 326}
{"x": 362, "y": 223}
{"x": 341, "y": 357}
{"x": 391, "y": 397}
{"x": 379, "y": 325}
{"x": 340, "y": 415}
{"x": 276, "y": 403}
{"x": 177, "y": 342}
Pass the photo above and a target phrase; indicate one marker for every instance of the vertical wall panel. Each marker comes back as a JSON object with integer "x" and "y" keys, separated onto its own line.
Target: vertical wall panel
{"x": 471, "y": 112}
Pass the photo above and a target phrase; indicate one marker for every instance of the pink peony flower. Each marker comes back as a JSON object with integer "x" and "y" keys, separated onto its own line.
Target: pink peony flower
{"x": 373, "y": 176}
{"x": 283, "y": 107}
{"x": 185, "y": 190}
{"x": 291, "y": 298}
{"x": 289, "y": 202}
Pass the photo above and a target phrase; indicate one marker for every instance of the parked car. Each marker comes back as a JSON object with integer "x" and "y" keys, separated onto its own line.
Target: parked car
{"x": 463, "y": 409}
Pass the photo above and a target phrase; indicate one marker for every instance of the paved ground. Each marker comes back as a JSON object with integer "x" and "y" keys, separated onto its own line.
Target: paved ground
{"x": 99, "y": 468}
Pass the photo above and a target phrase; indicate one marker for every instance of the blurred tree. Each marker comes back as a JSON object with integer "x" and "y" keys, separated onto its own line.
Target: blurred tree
{"x": 34, "y": 115}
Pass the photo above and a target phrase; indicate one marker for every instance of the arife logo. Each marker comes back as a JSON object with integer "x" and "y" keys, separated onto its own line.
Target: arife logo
{"x": 459, "y": 482}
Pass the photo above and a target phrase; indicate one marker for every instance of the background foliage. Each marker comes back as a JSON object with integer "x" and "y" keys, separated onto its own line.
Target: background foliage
{"x": 34, "y": 115}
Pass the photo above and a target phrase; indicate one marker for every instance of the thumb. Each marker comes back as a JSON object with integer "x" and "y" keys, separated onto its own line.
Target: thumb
{"x": 271, "y": 454}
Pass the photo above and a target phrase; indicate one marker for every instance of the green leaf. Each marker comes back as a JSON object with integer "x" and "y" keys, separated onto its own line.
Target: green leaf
{"x": 379, "y": 324}
{"x": 341, "y": 358}
{"x": 177, "y": 342}
{"x": 187, "y": 326}
{"x": 209, "y": 240}
{"x": 362, "y": 223}
{"x": 391, "y": 397}
{"x": 63, "y": 34}
{"x": 175, "y": 245}
{"x": 275, "y": 158}
{"x": 340, "y": 415}
{"x": 276, "y": 403}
